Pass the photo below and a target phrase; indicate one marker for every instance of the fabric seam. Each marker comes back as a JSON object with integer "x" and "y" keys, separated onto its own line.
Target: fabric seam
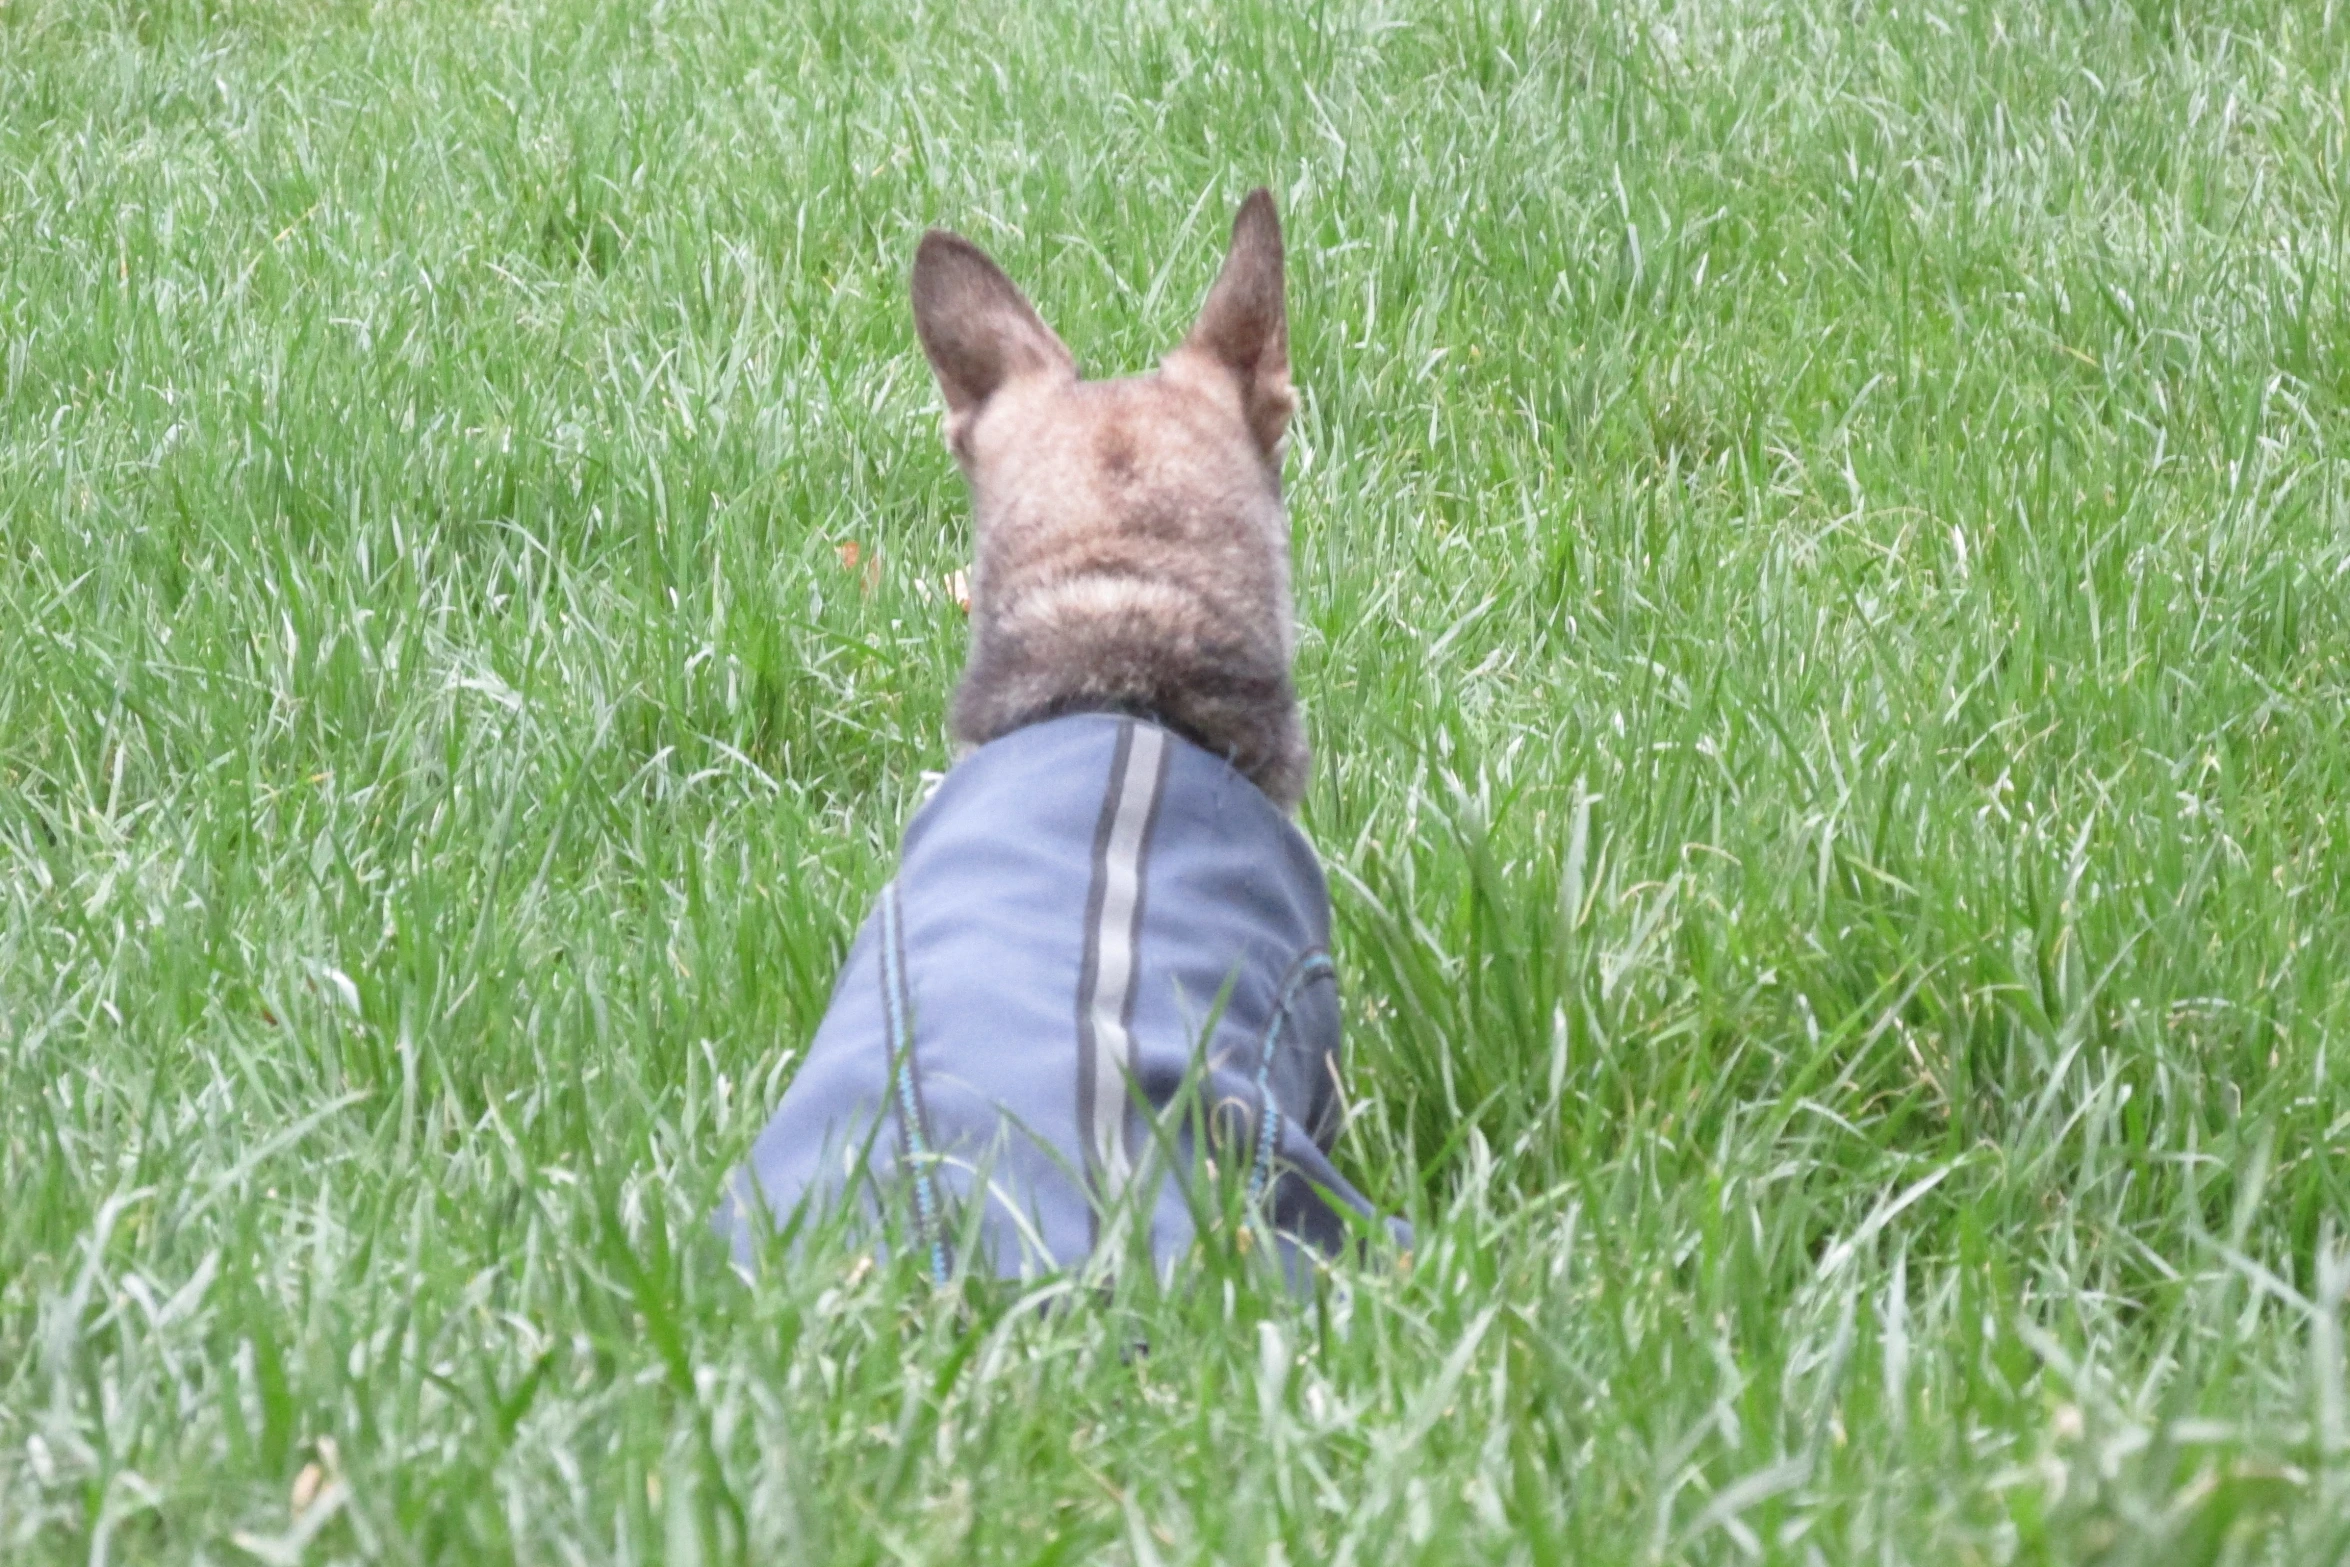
{"x": 916, "y": 1158}
{"x": 1311, "y": 965}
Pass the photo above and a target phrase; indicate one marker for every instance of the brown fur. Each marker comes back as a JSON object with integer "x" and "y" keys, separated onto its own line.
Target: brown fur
{"x": 1132, "y": 554}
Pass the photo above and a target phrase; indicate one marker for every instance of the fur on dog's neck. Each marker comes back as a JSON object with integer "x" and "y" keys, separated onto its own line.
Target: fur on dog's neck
{"x": 1192, "y": 661}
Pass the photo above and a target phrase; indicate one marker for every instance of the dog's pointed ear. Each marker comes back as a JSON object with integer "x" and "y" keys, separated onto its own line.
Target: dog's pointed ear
{"x": 978, "y": 329}
{"x": 1244, "y": 326}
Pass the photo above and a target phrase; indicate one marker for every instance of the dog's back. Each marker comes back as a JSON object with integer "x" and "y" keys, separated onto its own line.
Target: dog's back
{"x": 1102, "y": 942}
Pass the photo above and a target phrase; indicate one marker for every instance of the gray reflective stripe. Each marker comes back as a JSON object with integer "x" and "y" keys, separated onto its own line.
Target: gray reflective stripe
{"x": 914, "y": 1156}
{"x": 1113, "y": 928}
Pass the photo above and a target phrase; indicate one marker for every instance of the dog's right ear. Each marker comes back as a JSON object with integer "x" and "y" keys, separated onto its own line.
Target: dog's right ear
{"x": 979, "y": 331}
{"x": 1244, "y": 326}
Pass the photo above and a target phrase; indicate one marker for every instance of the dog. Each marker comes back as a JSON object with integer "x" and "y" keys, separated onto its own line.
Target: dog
{"x": 1103, "y": 966}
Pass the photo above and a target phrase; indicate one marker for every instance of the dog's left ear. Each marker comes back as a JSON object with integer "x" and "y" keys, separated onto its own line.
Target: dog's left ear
{"x": 979, "y": 331}
{"x": 1244, "y": 327}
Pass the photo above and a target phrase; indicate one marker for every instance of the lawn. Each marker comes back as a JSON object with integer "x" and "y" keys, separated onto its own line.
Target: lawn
{"x": 1823, "y": 542}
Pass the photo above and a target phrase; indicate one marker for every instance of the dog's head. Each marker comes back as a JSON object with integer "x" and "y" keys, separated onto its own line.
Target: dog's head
{"x": 1131, "y": 548}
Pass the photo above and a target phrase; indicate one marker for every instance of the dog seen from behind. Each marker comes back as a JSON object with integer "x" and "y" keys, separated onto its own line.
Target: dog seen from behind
{"x": 1103, "y": 967}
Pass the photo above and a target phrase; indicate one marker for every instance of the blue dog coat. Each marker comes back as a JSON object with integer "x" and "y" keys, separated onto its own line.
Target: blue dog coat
{"x": 1101, "y": 940}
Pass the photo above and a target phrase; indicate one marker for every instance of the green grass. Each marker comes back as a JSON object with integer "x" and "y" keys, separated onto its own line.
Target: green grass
{"x": 1824, "y": 534}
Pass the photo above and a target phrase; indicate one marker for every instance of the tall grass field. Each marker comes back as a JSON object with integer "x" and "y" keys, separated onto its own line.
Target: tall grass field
{"x": 1823, "y": 546}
